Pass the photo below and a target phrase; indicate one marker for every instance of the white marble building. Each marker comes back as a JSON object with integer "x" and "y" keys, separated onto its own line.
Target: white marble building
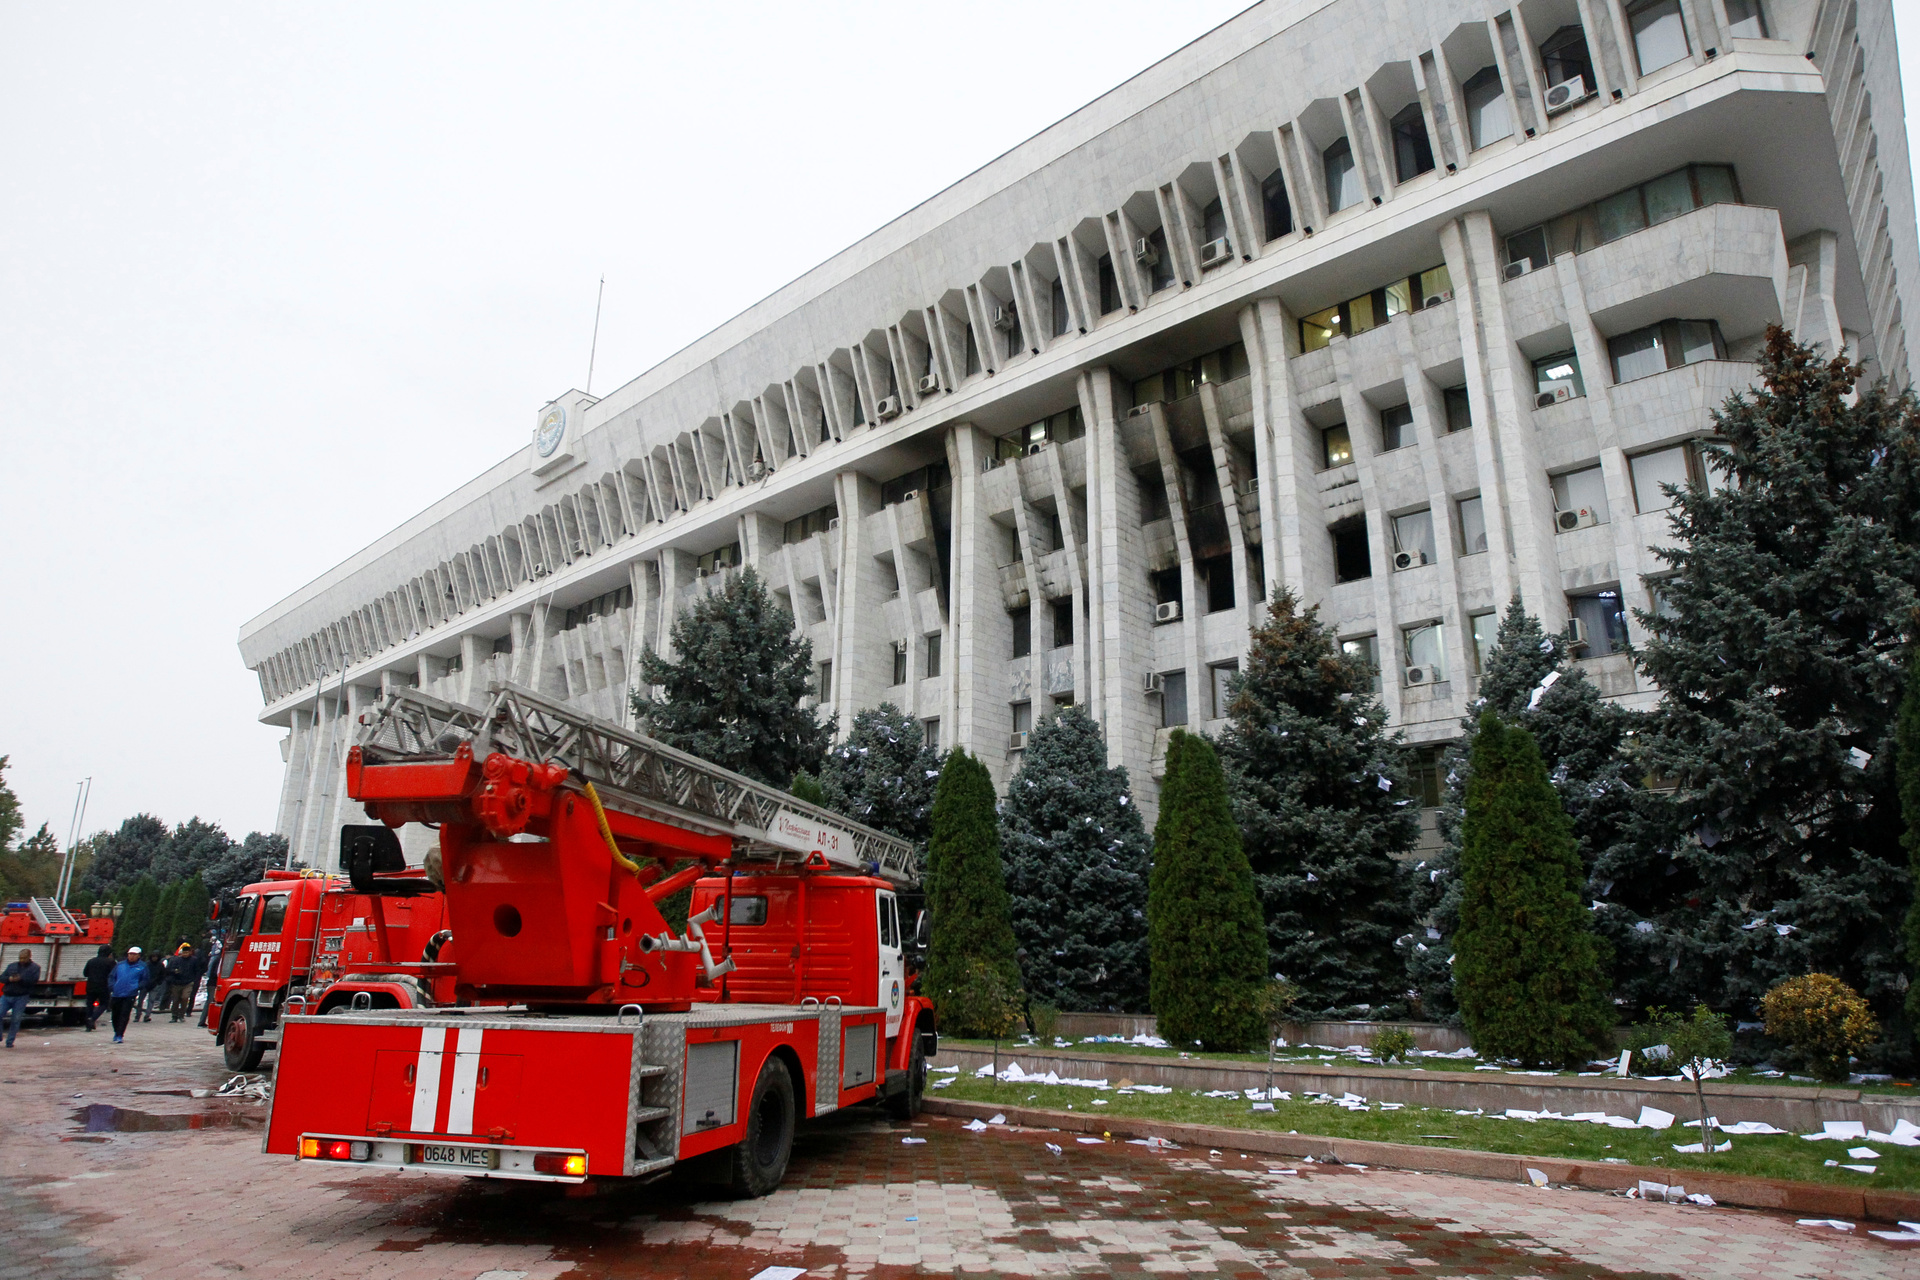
{"x": 1406, "y": 307}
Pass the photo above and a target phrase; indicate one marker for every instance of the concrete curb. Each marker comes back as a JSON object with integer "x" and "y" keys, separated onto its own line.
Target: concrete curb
{"x": 1806, "y": 1199}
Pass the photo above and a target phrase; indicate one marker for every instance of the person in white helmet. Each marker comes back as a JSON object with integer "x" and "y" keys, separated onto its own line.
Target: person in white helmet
{"x": 129, "y": 977}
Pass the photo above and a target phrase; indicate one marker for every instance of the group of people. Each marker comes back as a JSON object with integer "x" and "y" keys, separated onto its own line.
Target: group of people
{"x": 132, "y": 988}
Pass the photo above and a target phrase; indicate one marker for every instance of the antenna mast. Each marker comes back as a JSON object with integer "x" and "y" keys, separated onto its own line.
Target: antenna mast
{"x": 73, "y": 838}
{"x": 594, "y": 349}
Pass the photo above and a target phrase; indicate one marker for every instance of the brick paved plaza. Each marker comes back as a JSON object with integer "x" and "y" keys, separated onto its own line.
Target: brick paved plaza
{"x": 190, "y": 1195}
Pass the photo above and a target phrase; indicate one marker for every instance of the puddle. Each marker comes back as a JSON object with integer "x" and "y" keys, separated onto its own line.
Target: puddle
{"x": 102, "y": 1117}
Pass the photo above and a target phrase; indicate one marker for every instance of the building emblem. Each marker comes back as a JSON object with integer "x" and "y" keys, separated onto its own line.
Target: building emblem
{"x": 553, "y": 427}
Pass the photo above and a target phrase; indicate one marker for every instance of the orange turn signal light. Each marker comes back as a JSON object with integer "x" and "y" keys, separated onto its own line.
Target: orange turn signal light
{"x": 564, "y": 1166}
{"x": 309, "y": 1148}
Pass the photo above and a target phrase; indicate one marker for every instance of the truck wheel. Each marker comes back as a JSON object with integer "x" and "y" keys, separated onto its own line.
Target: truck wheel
{"x": 760, "y": 1158}
{"x": 905, "y": 1105}
{"x": 238, "y": 1040}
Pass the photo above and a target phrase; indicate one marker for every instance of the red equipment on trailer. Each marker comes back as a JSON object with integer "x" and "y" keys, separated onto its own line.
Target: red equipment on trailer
{"x": 588, "y": 1037}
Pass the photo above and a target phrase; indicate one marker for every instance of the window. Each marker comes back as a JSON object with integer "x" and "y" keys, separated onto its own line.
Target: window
{"x": 1352, "y": 558}
{"x": 1428, "y": 774}
{"x": 1564, "y": 57}
{"x": 1580, "y": 492}
{"x": 1019, "y": 551}
{"x": 800, "y": 528}
{"x": 1062, "y": 610}
{"x": 1221, "y": 675}
{"x": 1671, "y": 194}
{"x": 1557, "y": 378}
{"x": 1412, "y": 149}
{"x": 1663, "y": 346}
{"x": 748, "y": 911}
{"x": 1413, "y": 537}
{"x": 1486, "y": 634}
{"x": 727, "y": 557}
{"x": 1362, "y": 651}
{"x": 1336, "y": 446}
{"x": 1473, "y": 526}
{"x": 1423, "y": 647}
{"x": 1459, "y": 409}
{"x": 899, "y": 663}
{"x": 1659, "y": 35}
{"x": 1679, "y": 466}
{"x": 1276, "y": 209}
{"x": 1016, "y": 335}
{"x": 1166, "y": 586}
{"x": 273, "y": 914}
{"x": 919, "y": 480}
{"x": 1055, "y": 540}
{"x": 1173, "y": 699}
{"x": 973, "y": 350}
{"x": 1057, "y": 428}
{"x": 1022, "y": 717}
{"x": 1213, "y": 221}
{"x": 1109, "y": 286}
{"x": 823, "y": 681}
{"x": 1488, "y": 119}
{"x": 930, "y": 733}
{"x": 1662, "y": 601}
{"x": 1160, "y": 272}
{"x": 1343, "y": 180}
{"x": 1022, "y": 631}
{"x": 1187, "y": 377}
{"x": 1415, "y": 292}
{"x": 1603, "y": 622}
{"x": 1153, "y": 495}
{"x": 859, "y": 411}
{"x": 1745, "y": 20}
{"x": 1396, "y": 427}
{"x": 933, "y": 655}
{"x": 1058, "y": 303}
{"x": 1217, "y": 572}
{"x": 1061, "y": 701}
{"x": 1530, "y": 247}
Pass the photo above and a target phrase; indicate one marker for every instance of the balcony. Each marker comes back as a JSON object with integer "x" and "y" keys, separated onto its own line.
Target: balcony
{"x": 1726, "y": 262}
{"x": 1676, "y": 402}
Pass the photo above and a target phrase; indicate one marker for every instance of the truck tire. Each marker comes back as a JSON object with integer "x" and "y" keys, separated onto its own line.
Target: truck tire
{"x": 760, "y": 1158}
{"x": 905, "y": 1105}
{"x": 239, "y": 1039}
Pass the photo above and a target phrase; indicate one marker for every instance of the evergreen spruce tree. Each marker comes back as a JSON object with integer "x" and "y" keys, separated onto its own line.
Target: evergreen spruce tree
{"x": 1907, "y": 773}
{"x": 973, "y": 975}
{"x": 1076, "y": 857}
{"x": 1322, "y": 799}
{"x": 190, "y": 914}
{"x": 1208, "y": 950}
{"x": 194, "y": 846}
{"x": 141, "y": 901}
{"x": 807, "y": 787}
{"x": 1528, "y": 972}
{"x": 883, "y": 774}
{"x": 1528, "y": 680}
{"x": 1777, "y": 649}
{"x": 161, "y": 939}
{"x": 33, "y": 869}
{"x": 241, "y": 864}
{"x": 126, "y": 855}
{"x": 733, "y": 696}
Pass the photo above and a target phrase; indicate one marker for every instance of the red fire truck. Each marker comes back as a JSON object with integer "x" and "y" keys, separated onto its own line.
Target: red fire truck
{"x": 61, "y": 943}
{"x": 587, "y": 1036}
{"x": 296, "y": 934}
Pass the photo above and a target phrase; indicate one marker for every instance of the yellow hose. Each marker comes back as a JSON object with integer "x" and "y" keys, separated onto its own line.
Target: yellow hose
{"x": 606, "y": 832}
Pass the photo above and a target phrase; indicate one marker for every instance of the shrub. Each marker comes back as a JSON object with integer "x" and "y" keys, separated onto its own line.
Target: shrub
{"x": 1823, "y": 1019}
{"x": 980, "y": 1003}
{"x": 1389, "y": 1043}
{"x": 1044, "y": 1019}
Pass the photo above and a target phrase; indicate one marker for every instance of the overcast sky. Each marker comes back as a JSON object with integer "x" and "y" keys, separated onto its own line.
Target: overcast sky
{"x": 273, "y": 277}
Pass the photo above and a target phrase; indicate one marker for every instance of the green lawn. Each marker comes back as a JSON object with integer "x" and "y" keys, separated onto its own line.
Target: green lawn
{"x": 1295, "y": 1055}
{"x": 1788, "y": 1156}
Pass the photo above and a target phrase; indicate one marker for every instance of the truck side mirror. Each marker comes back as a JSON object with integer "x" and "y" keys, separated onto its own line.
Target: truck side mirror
{"x": 922, "y": 930}
{"x": 213, "y": 910}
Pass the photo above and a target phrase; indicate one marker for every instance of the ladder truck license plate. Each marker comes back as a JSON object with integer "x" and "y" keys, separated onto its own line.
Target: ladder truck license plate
{"x": 460, "y": 1157}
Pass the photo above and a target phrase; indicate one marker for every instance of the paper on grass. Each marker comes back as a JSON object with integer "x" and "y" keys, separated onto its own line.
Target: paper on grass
{"x": 1863, "y": 1153}
{"x": 1694, "y": 1148}
{"x": 1861, "y": 1168}
{"x": 1655, "y": 1118}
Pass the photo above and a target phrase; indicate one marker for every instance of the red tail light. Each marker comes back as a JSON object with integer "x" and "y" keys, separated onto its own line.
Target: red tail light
{"x": 561, "y": 1166}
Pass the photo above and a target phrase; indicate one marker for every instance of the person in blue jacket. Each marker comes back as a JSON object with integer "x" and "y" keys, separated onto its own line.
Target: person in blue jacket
{"x": 152, "y": 987}
{"x": 130, "y": 977}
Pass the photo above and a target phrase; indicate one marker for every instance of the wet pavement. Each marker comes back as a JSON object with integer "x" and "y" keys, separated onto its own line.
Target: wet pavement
{"x": 109, "y": 1168}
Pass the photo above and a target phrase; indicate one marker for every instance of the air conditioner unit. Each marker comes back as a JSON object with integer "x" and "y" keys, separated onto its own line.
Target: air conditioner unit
{"x": 1036, "y": 447}
{"x": 1167, "y": 611}
{"x": 1248, "y": 488}
{"x": 909, "y": 497}
{"x": 1153, "y": 683}
{"x": 1017, "y": 741}
{"x": 1553, "y": 393}
{"x": 1215, "y": 252}
{"x": 539, "y": 570}
{"x": 990, "y": 461}
{"x": 1142, "y": 410}
{"x": 1576, "y": 634}
{"x": 1445, "y": 295}
{"x": 756, "y": 470}
{"x": 1419, "y": 675}
{"x": 1145, "y": 254}
{"x": 929, "y": 384}
{"x": 1409, "y": 559}
{"x": 1004, "y": 318}
{"x": 579, "y": 549}
{"x": 1517, "y": 269}
{"x": 889, "y": 407}
{"x": 1566, "y": 94}
{"x": 1568, "y": 521}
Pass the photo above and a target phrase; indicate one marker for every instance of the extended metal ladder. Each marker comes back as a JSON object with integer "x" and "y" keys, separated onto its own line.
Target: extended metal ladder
{"x": 51, "y": 917}
{"x": 631, "y": 771}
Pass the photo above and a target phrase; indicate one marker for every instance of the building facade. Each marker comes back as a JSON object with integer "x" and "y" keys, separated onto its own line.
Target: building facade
{"x": 1406, "y": 308}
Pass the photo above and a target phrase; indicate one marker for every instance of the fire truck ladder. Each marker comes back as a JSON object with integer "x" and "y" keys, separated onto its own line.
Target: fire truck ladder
{"x": 631, "y": 771}
{"x": 51, "y": 917}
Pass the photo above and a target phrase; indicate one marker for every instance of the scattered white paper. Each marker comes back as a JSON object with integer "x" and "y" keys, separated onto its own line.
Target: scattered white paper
{"x": 1536, "y": 1177}
{"x": 1838, "y": 1224}
{"x": 1694, "y": 1148}
{"x": 1091, "y": 1142}
{"x": 1863, "y": 1153}
{"x": 1908, "y": 1236}
{"x": 1055, "y": 1148}
{"x": 1626, "y": 1056}
{"x": 1860, "y": 1168}
{"x": 1745, "y": 1128}
{"x": 998, "y": 1119}
{"x": 974, "y": 1126}
{"x": 1701, "y": 1197}
{"x": 912, "y": 1142}
{"x": 780, "y": 1273}
{"x": 1654, "y": 1118}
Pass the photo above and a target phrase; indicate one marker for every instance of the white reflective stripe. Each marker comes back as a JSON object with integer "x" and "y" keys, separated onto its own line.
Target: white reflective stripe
{"x": 466, "y": 1078}
{"x": 426, "y": 1079}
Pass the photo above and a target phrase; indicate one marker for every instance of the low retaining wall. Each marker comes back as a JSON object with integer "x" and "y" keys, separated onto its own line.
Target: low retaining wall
{"x": 1435, "y": 1037}
{"x": 1799, "y": 1109}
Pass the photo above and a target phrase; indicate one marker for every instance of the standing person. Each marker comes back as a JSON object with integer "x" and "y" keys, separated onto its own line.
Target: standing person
{"x": 123, "y": 988}
{"x": 20, "y": 978}
{"x": 183, "y": 975}
{"x": 210, "y": 966}
{"x": 151, "y": 988}
{"x": 97, "y": 973}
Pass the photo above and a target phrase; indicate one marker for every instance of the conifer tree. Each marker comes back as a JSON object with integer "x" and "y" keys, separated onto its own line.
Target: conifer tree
{"x": 190, "y": 914}
{"x": 126, "y": 854}
{"x": 1907, "y": 773}
{"x": 1208, "y": 952}
{"x": 1321, "y": 796}
{"x": 1076, "y": 855}
{"x": 1529, "y": 681}
{"x": 733, "y": 694}
{"x": 1777, "y": 649}
{"x": 1528, "y": 972}
{"x": 972, "y": 974}
{"x": 136, "y": 920}
{"x": 883, "y": 774}
{"x": 161, "y": 939}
